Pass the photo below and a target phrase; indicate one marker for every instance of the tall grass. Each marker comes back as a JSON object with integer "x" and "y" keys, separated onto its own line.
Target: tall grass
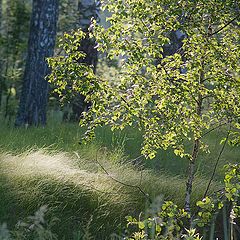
{"x": 79, "y": 192}
{"x": 66, "y": 136}
{"x": 42, "y": 166}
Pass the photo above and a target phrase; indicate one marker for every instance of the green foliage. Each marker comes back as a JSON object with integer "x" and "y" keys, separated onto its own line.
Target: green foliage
{"x": 209, "y": 206}
{"x": 191, "y": 235}
{"x": 68, "y": 15}
{"x": 34, "y": 227}
{"x": 14, "y": 25}
{"x": 172, "y": 99}
{"x": 228, "y": 196}
{"x": 69, "y": 69}
{"x": 14, "y": 29}
{"x": 166, "y": 224}
{"x": 167, "y": 220}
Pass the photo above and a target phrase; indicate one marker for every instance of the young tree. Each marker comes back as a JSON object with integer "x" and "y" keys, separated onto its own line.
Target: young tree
{"x": 34, "y": 96}
{"x": 173, "y": 99}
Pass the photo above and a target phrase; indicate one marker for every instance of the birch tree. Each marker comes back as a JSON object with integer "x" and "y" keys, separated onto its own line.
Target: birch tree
{"x": 176, "y": 99}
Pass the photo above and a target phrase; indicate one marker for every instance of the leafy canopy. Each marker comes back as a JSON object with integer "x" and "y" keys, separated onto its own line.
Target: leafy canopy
{"x": 172, "y": 98}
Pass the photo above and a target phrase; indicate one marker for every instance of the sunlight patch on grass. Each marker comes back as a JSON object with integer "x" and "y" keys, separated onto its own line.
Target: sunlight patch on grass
{"x": 77, "y": 189}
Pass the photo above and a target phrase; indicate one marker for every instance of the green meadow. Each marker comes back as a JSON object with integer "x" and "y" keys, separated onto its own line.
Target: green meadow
{"x": 90, "y": 189}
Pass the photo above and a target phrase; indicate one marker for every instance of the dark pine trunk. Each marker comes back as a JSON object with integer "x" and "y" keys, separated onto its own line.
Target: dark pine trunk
{"x": 88, "y": 9}
{"x": 34, "y": 96}
{"x": 78, "y": 103}
{"x": 1, "y": 61}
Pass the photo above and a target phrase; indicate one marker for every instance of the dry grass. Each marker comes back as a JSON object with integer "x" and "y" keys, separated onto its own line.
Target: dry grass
{"x": 79, "y": 192}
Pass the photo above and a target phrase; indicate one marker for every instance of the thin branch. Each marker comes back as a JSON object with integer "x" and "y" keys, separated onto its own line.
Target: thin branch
{"x": 122, "y": 183}
{"x": 57, "y": 53}
{"x": 212, "y": 129}
{"x": 134, "y": 160}
{"x": 216, "y": 164}
{"x": 220, "y": 29}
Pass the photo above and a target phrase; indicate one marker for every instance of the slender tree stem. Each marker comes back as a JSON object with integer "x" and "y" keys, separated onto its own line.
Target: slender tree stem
{"x": 191, "y": 175}
{"x": 195, "y": 151}
{"x": 216, "y": 164}
{"x": 228, "y": 23}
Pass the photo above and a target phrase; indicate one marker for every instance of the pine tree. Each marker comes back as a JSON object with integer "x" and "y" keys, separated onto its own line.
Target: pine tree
{"x": 34, "y": 96}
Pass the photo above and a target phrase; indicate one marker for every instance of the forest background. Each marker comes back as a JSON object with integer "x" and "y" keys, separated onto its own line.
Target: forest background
{"x": 91, "y": 188}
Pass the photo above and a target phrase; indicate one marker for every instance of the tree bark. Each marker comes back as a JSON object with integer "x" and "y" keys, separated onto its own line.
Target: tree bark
{"x": 34, "y": 96}
{"x": 192, "y": 161}
{"x": 88, "y": 9}
{"x": 1, "y": 61}
{"x": 191, "y": 168}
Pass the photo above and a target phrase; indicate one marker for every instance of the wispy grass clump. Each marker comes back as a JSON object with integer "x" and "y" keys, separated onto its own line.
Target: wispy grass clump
{"x": 78, "y": 192}
{"x": 66, "y": 136}
{"x": 49, "y": 166}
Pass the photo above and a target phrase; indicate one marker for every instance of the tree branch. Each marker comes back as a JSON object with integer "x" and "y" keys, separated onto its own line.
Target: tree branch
{"x": 214, "y": 128}
{"x": 146, "y": 195}
{"x": 220, "y": 29}
{"x": 134, "y": 160}
{"x": 216, "y": 164}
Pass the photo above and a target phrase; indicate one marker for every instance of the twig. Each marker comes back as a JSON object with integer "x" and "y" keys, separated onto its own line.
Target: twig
{"x": 212, "y": 129}
{"x": 57, "y": 53}
{"x": 134, "y": 160}
{"x": 216, "y": 164}
{"x": 220, "y": 29}
{"x": 124, "y": 184}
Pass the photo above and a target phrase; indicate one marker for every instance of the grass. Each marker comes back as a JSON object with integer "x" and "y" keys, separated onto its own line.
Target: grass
{"x": 48, "y": 166}
{"x": 78, "y": 191}
{"x": 65, "y": 137}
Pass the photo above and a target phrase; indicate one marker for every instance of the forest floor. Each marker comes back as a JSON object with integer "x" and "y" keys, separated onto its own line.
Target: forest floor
{"x": 48, "y": 166}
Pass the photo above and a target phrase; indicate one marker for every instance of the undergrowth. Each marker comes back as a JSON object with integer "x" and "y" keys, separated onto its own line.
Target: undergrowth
{"x": 42, "y": 166}
{"x": 66, "y": 137}
{"x": 78, "y": 191}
